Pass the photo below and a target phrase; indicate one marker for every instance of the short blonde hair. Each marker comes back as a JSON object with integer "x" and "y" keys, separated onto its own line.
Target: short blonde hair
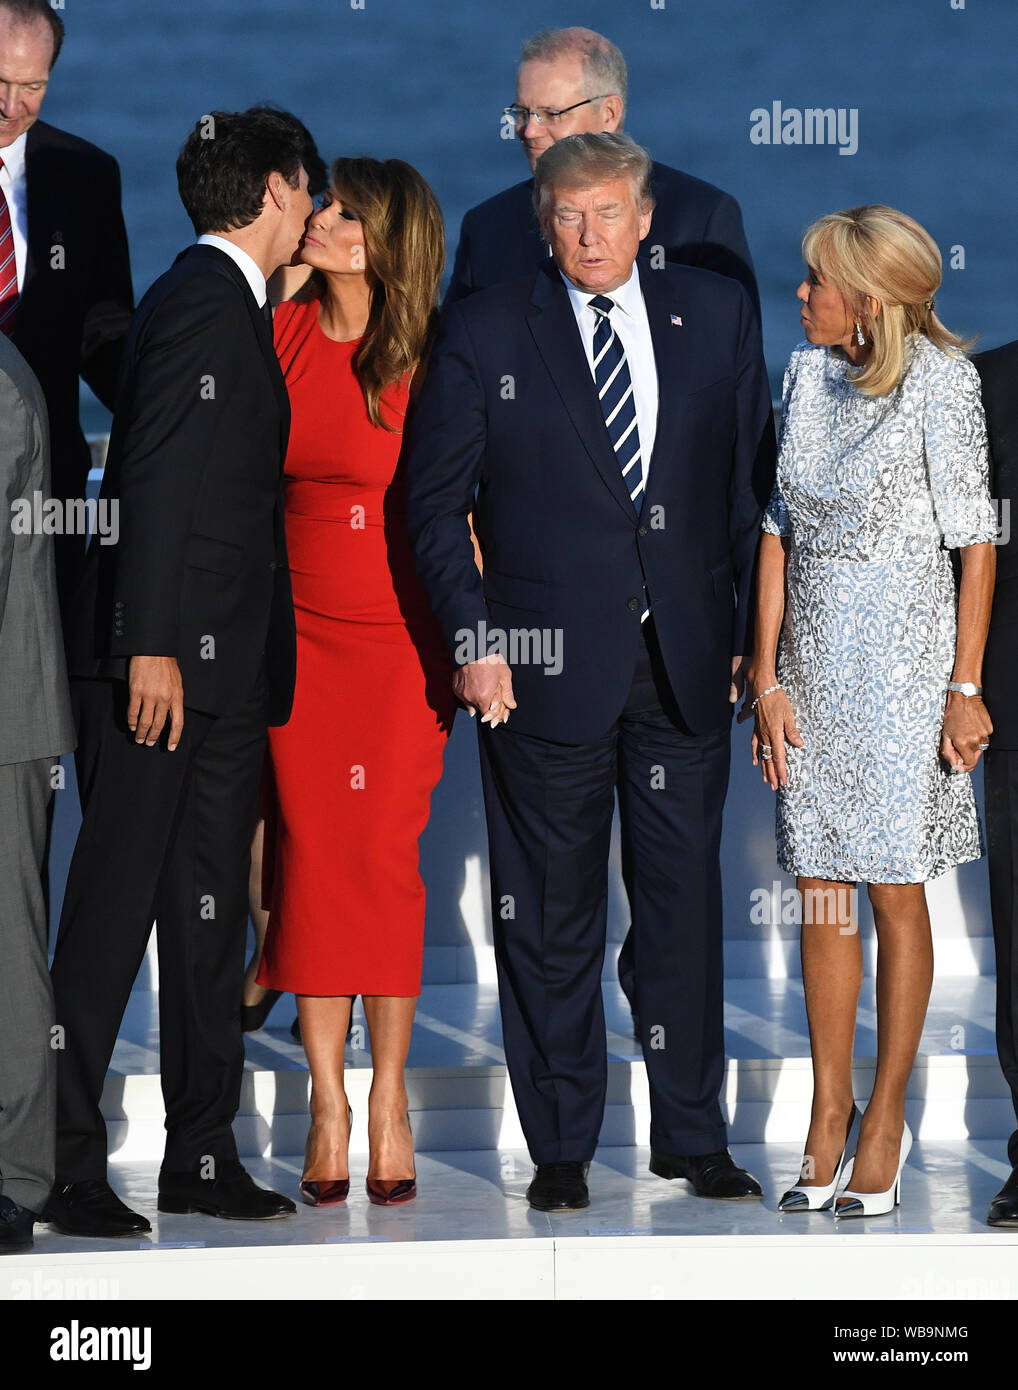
{"x": 592, "y": 157}
{"x": 875, "y": 250}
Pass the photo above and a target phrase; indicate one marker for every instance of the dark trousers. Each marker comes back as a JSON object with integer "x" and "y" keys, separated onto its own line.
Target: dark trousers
{"x": 549, "y": 811}
{"x": 1000, "y": 785}
{"x": 165, "y": 837}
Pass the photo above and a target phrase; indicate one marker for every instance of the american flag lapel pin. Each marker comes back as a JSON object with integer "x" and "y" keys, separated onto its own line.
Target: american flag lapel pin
{"x": 676, "y": 321}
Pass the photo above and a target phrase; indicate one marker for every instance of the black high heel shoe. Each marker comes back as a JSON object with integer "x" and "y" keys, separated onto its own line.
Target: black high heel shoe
{"x": 253, "y": 1016}
{"x": 384, "y": 1192}
{"x": 326, "y": 1192}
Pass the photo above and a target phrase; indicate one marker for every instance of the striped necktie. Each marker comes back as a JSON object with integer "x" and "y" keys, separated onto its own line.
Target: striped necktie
{"x": 8, "y": 269}
{"x": 615, "y": 392}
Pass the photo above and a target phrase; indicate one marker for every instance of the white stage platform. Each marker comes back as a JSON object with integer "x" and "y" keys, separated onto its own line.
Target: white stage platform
{"x": 471, "y": 1235}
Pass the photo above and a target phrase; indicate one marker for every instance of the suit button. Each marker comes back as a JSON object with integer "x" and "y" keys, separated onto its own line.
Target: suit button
{"x": 632, "y": 604}
{"x": 119, "y": 605}
{"x": 273, "y": 564}
{"x": 642, "y": 530}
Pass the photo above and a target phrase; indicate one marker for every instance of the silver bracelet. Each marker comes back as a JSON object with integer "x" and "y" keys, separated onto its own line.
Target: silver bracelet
{"x": 769, "y": 691}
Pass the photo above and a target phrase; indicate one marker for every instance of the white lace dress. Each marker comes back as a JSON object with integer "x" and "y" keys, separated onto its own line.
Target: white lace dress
{"x": 872, "y": 492}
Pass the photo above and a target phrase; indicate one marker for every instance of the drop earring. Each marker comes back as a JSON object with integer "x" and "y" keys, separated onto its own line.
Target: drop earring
{"x": 860, "y": 337}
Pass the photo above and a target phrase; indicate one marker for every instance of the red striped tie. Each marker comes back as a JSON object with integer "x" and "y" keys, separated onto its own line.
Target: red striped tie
{"x": 8, "y": 268}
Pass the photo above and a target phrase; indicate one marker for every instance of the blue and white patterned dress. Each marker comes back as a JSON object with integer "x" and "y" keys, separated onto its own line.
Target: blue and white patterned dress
{"x": 872, "y": 492}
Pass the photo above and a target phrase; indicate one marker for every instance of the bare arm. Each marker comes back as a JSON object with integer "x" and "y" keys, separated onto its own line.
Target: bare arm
{"x": 966, "y": 720}
{"x": 775, "y": 718}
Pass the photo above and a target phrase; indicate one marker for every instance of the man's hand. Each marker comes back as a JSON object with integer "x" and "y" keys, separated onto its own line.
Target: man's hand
{"x": 486, "y": 688}
{"x": 739, "y": 665}
{"x": 155, "y": 690}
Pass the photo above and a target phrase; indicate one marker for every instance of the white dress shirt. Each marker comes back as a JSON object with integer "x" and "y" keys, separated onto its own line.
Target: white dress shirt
{"x": 252, "y": 271}
{"x": 12, "y": 181}
{"x": 629, "y": 319}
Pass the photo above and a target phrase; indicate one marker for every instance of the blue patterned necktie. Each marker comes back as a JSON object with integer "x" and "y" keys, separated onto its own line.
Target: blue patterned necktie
{"x": 615, "y": 392}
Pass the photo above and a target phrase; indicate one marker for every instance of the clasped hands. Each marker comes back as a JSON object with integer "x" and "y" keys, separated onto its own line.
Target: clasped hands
{"x": 966, "y": 727}
{"x": 485, "y": 687}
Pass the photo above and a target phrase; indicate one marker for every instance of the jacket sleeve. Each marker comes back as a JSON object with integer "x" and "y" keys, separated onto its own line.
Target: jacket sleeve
{"x": 110, "y": 301}
{"x": 178, "y": 407}
{"x": 448, "y": 435}
{"x": 752, "y": 476}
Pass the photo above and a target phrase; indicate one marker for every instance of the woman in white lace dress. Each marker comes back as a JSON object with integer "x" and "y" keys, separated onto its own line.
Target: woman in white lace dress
{"x": 865, "y": 683}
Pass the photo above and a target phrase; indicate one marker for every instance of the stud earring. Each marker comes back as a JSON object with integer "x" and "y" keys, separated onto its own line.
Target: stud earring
{"x": 860, "y": 337}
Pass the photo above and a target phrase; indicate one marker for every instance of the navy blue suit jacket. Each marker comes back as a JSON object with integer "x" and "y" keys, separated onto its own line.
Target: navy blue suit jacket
{"x": 694, "y": 223}
{"x": 508, "y": 426}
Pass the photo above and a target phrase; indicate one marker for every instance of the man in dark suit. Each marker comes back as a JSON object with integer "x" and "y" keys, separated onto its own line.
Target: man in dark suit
{"x": 998, "y": 371}
{"x": 569, "y": 81}
{"x": 70, "y": 303}
{"x": 614, "y": 423}
{"x": 193, "y": 653}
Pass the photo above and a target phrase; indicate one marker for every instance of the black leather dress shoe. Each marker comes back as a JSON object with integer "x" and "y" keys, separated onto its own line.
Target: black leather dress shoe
{"x": 712, "y": 1175}
{"x": 1004, "y": 1207}
{"x": 15, "y": 1227}
{"x": 91, "y": 1208}
{"x": 559, "y": 1187}
{"x": 233, "y": 1194}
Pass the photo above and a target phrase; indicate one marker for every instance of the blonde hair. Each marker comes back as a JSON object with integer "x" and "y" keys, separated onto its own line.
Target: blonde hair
{"x": 876, "y": 251}
{"x": 404, "y": 245}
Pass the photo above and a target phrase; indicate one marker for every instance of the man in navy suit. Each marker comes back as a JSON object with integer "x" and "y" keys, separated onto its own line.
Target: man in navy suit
{"x": 609, "y": 427}
{"x": 570, "y": 81}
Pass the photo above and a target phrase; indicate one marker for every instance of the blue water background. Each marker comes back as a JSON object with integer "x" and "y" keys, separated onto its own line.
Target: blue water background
{"x": 935, "y": 88}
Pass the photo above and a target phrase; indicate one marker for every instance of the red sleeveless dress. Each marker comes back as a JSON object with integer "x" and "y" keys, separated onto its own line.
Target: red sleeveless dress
{"x": 354, "y": 768}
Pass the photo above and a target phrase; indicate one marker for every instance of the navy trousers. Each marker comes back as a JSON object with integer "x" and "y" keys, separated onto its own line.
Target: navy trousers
{"x": 549, "y": 810}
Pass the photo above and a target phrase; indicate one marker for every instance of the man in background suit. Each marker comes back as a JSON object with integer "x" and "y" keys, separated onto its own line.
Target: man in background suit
{"x": 614, "y": 423}
{"x": 569, "y": 81}
{"x": 35, "y": 728}
{"x": 66, "y": 297}
{"x": 183, "y": 651}
{"x": 998, "y": 371}
{"x": 573, "y": 80}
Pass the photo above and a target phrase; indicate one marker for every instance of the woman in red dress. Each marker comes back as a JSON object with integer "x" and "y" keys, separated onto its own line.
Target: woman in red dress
{"x": 355, "y": 766}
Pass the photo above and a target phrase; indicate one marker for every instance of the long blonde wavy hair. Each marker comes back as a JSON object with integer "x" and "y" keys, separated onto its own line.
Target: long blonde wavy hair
{"x": 404, "y": 249}
{"x": 876, "y": 250}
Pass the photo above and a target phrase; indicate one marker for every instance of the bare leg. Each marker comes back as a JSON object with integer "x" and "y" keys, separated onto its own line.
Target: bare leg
{"x": 831, "y": 976}
{"x": 254, "y": 994}
{"x": 904, "y": 980}
{"x": 390, "y": 1023}
{"x": 324, "y": 1020}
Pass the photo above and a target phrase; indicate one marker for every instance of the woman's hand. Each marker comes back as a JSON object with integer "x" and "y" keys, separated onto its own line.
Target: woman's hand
{"x": 775, "y": 725}
{"x": 966, "y": 725}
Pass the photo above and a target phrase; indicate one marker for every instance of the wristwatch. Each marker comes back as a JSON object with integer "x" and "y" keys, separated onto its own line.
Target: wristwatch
{"x": 968, "y": 688}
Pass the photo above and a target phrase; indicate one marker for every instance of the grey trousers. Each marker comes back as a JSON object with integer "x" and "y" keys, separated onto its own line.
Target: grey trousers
{"x": 27, "y": 1058}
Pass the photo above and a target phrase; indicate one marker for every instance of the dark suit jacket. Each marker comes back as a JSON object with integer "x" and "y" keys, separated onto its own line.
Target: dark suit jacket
{"x": 695, "y": 223}
{"x": 76, "y": 302}
{"x": 509, "y": 408}
{"x": 998, "y": 371}
{"x": 195, "y": 460}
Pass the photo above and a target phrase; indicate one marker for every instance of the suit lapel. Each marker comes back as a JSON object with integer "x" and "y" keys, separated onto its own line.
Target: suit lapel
{"x": 554, "y": 329}
{"x": 262, "y": 331}
{"x": 41, "y": 187}
{"x": 674, "y": 348}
